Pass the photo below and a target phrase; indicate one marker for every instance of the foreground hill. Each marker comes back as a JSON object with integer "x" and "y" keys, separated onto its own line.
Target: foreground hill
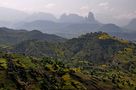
{"x": 94, "y": 47}
{"x": 18, "y": 72}
{"x": 11, "y": 37}
{"x": 94, "y": 61}
{"x": 108, "y": 58}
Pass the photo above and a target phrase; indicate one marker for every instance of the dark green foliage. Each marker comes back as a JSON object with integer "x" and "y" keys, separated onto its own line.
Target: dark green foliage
{"x": 35, "y": 48}
{"x": 94, "y": 47}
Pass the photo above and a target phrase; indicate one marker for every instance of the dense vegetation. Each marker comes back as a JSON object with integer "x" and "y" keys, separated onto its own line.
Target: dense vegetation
{"x": 94, "y": 61}
{"x": 28, "y": 73}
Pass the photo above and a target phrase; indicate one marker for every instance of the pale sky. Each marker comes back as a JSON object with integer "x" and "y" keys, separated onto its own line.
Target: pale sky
{"x": 115, "y": 11}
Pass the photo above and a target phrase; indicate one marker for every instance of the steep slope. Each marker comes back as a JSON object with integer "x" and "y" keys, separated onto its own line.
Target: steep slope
{"x": 110, "y": 59}
{"x": 95, "y": 47}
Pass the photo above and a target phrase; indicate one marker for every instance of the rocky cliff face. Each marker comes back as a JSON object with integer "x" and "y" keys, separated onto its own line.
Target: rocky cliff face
{"x": 74, "y": 18}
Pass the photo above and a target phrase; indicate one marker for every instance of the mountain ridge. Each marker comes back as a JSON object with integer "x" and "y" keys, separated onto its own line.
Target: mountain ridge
{"x": 11, "y": 36}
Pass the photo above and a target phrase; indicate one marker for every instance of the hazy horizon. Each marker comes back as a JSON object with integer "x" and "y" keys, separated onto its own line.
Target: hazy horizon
{"x": 107, "y": 11}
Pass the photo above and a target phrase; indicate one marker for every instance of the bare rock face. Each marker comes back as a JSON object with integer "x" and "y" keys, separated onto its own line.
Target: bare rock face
{"x": 74, "y": 18}
{"x": 91, "y": 17}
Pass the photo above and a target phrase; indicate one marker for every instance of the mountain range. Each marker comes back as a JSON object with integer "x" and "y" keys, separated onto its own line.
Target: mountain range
{"x": 42, "y": 52}
{"x": 67, "y": 26}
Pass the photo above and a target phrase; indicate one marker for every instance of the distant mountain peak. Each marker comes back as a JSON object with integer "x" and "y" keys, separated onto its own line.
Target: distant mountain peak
{"x": 71, "y": 18}
{"x": 91, "y": 17}
{"x": 75, "y": 18}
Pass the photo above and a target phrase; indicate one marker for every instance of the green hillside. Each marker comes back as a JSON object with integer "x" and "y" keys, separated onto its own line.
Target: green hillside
{"x": 19, "y": 72}
{"x": 94, "y": 61}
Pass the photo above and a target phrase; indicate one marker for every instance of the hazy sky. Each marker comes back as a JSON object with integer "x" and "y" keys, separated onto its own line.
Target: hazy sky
{"x": 105, "y": 10}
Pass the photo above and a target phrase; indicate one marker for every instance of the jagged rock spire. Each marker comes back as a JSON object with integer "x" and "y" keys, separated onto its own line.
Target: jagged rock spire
{"x": 91, "y": 17}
